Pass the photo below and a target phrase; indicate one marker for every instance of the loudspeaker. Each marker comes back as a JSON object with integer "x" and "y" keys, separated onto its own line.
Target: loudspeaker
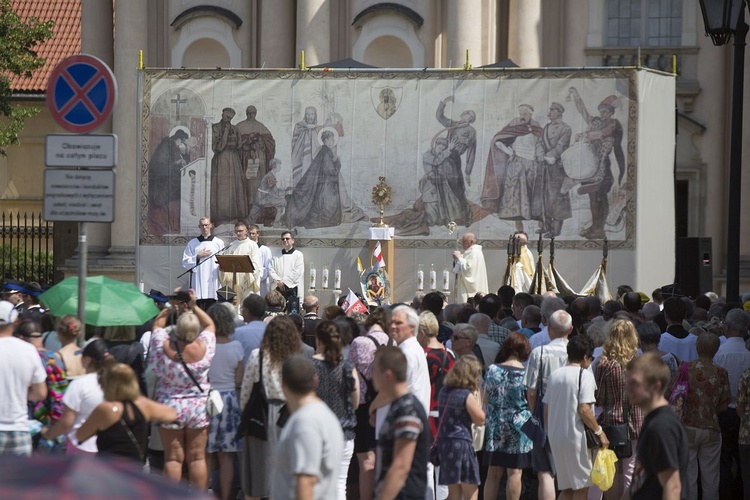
{"x": 694, "y": 266}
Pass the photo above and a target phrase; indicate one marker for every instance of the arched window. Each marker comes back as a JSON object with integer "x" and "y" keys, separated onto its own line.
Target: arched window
{"x": 388, "y": 37}
{"x": 200, "y": 34}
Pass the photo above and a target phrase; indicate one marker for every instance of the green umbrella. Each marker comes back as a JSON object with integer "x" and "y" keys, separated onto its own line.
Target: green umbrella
{"x": 108, "y": 302}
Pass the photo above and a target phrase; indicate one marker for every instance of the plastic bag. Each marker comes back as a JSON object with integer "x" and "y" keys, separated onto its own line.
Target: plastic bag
{"x": 603, "y": 471}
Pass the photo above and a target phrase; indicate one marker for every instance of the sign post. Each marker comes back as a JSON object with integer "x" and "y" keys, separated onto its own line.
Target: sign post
{"x": 81, "y": 94}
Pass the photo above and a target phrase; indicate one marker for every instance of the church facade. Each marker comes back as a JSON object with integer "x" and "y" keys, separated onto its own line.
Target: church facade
{"x": 666, "y": 35}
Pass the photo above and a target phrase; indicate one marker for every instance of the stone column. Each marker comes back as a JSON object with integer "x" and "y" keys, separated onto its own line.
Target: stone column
{"x": 463, "y": 31}
{"x": 314, "y": 31}
{"x": 524, "y": 32}
{"x": 131, "y": 17}
{"x": 277, "y": 37}
{"x": 96, "y": 40}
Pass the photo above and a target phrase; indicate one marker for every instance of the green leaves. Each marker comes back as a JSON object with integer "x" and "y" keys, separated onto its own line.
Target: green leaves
{"x": 18, "y": 39}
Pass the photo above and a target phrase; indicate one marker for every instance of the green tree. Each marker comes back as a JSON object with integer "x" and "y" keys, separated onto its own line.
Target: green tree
{"x": 17, "y": 57}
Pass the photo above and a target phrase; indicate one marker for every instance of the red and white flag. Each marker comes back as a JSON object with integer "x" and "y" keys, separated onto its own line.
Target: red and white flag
{"x": 352, "y": 304}
{"x": 378, "y": 255}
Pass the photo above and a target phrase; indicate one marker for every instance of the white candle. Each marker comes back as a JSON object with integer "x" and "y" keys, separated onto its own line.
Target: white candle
{"x": 325, "y": 278}
{"x": 446, "y": 280}
{"x": 420, "y": 280}
{"x": 433, "y": 279}
{"x": 313, "y": 277}
{"x": 337, "y": 279}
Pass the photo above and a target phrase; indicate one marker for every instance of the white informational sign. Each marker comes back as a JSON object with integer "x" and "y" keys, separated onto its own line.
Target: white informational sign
{"x": 79, "y": 195}
{"x": 84, "y": 151}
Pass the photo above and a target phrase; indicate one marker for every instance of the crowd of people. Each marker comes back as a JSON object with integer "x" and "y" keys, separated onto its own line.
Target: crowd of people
{"x": 507, "y": 395}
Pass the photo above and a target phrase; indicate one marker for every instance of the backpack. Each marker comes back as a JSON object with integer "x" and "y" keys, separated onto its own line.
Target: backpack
{"x": 49, "y": 410}
{"x": 678, "y": 397}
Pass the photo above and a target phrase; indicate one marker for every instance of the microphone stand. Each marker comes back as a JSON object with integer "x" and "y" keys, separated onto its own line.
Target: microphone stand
{"x": 199, "y": 262}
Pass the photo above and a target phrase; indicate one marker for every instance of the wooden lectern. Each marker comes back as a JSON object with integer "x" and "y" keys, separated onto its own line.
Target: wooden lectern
{"x": 235, "y": 264}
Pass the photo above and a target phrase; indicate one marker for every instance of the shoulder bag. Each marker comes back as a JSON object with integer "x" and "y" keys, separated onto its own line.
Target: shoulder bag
{"x": 214, "y": 403}
{"x": 255, "y": 414}
{"x": 618, "y": 435}
{"x": 592, "y": 440}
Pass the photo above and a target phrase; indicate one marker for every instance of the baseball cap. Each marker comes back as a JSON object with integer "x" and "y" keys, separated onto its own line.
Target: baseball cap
{"x": 8, "y": 313}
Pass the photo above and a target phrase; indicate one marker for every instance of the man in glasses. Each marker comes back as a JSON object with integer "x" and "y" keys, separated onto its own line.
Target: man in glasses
{"x": 204, "y": 276}
{"x": 288, "y": 267}
{"x": 247, "y": 283}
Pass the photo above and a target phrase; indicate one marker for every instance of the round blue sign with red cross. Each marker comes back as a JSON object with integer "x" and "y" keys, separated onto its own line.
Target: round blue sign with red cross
{"x": 81, "y": 93}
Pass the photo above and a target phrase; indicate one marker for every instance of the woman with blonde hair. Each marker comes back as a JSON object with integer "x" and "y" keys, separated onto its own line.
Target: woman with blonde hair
{"x": 610, "y": 374}
{"x": 180, "y": 359}
{"x": 459, "y": 407}
{"x": 120, "y": 422}
{"x": 280, "y": 340}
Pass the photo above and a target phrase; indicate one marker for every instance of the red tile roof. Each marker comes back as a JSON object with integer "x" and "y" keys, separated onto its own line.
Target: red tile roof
{"x": 65, "y": 42}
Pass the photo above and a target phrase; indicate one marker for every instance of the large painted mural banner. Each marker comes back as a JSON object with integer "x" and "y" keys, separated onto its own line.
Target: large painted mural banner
{"x": 551, "y": 153}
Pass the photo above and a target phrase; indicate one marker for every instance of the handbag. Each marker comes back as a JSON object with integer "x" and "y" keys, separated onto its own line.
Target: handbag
{"x": 214, "y": 403}
{"x": 535, "y": 431}
{"x": 678, "y": 397}
{"x": 255, "y": 414}
{"x": 477, "y": 431}
{"x": 619, "y": 437}
{"x": 592, "y": 440}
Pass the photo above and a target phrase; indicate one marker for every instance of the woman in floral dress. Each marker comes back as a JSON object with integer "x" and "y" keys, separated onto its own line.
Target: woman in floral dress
{"x": 506, "y": 448}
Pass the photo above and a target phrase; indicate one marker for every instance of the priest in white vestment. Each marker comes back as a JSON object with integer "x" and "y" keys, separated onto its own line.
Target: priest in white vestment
{"x": 470, "y": 268}
{"x": 204, "y": 278}
{"x": 247, "y": 283}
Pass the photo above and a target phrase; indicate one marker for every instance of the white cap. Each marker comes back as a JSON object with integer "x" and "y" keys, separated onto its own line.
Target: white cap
{"x": 8, "y": 313}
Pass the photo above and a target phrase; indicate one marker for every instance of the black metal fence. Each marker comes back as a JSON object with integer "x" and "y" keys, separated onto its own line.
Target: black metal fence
{"x": 26, "y": 247}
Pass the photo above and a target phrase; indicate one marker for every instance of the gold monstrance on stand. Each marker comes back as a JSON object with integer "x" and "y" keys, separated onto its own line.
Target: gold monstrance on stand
{"x": 381, "y": 196}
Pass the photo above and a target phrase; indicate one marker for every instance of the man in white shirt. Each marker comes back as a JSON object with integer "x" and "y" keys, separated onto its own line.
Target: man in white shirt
{"x": 204, "y": 275}
{"x": 549, "y": 306}
{"x": 470, "y": 267}
{"x": 676, "y": 339}
{"x": 247, "y": 283}
{"x": 265, "y": 259}
{"x": 288, "y": 267}
{"x": 553, "y": 356}
{"x": 23, "y": 379}
{"x": 734, "y": 357}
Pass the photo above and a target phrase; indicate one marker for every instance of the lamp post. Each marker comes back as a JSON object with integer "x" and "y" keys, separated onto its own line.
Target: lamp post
{"x": 724, "y": 19}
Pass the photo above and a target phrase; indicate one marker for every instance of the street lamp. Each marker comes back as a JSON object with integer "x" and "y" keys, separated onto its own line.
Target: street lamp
{"x": 724, "y": 18}
{"x": 720, "y": 18}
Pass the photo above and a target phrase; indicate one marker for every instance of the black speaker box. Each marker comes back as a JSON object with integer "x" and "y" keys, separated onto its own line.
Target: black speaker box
{"x": 694, "y": 266}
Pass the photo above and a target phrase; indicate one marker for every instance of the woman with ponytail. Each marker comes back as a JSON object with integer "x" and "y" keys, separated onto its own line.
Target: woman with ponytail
{"x": 120, "y": 422}
{"x": 338, "y": 386}
{"x": 81, "y": 398}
